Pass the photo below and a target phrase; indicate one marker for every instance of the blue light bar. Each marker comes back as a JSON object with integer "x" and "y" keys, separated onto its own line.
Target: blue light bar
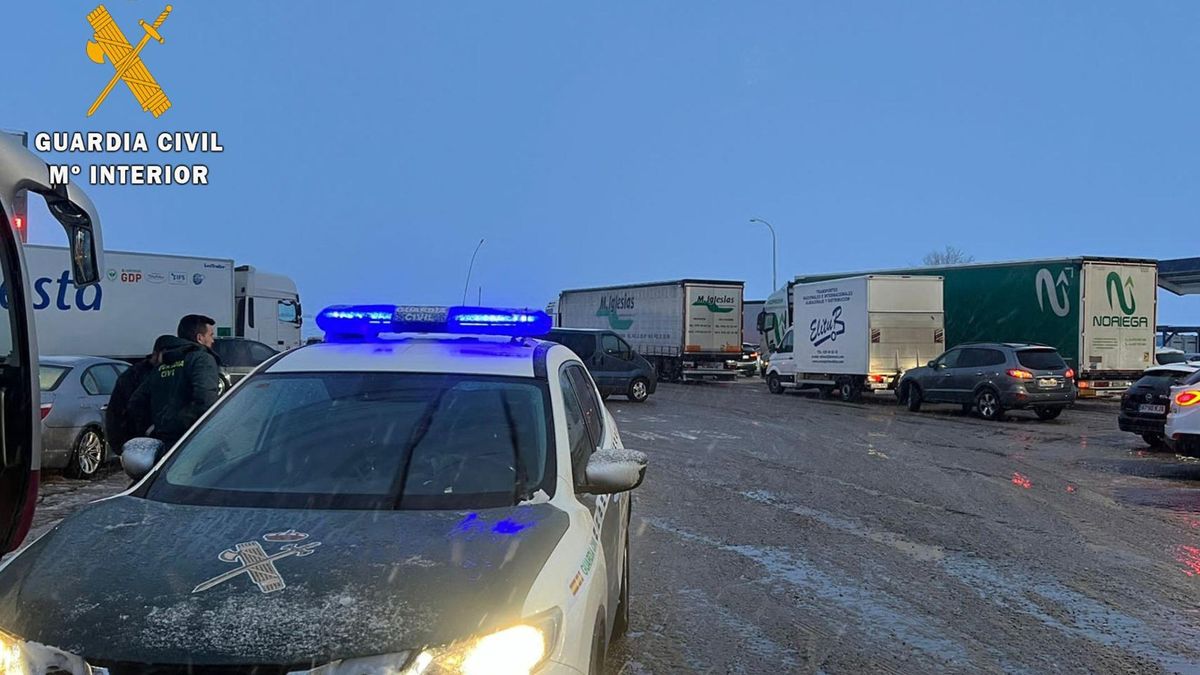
{"x": 494, "y": 321}
{"x": 349, "y": 323}
{"x": 358, "y": 323}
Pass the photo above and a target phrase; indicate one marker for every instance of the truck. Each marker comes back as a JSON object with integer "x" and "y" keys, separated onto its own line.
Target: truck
{"x": 750, "y": 311}
{"x": 142, "y": 295}
{"x": 1098, "y": 312}
{"x": 857, "y": 334}
{"x": 689, "y": 329}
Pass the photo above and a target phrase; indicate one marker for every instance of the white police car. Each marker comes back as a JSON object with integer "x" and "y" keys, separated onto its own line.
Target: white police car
{"x": 388, "y": 501}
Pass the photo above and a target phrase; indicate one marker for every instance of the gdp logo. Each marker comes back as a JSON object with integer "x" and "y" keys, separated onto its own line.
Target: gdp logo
{"x": 1053, "y": 293}
{"x": 109, "y": 42}
{"x": 1113, "y": 282}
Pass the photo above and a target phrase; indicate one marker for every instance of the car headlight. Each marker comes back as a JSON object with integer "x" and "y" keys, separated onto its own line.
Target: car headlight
{"x": 513, "y": 650}
{"x": 18, "y": 657}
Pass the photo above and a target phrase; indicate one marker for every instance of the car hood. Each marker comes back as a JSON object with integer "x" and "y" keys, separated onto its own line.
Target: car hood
{"x": 124, "y": 580}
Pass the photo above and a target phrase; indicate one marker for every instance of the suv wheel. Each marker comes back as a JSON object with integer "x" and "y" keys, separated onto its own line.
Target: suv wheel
{"x": 639, "y": 390}
{"x": 914, "y": 398}
{"x": 773, "y": 384}
{"x": 987, "y": 402}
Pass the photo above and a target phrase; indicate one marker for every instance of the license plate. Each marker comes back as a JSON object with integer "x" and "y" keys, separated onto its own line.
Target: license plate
{"x": 1152, "y": 408}
{"x": 1048, "y": 383}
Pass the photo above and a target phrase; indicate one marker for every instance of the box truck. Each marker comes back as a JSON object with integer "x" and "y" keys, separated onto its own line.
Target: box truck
{"x": 857, "y": 334}
{"x": 689, "y": 329}
{"x": 1099, "y": 313}
{"x": 142, "y": 295}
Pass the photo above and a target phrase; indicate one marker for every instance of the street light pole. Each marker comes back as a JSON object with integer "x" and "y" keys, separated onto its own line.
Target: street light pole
{"x": 470, "y": 267}
{"x": 774, "y": 253}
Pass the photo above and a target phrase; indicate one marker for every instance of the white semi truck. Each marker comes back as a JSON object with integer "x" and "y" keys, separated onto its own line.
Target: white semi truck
{"x": 142, "y": 295}
{"x": 857, "y": 334}
{"x": 689, "y": 329}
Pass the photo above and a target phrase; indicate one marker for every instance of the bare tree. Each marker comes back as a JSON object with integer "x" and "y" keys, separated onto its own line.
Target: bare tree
{"x": 951, "y": 256}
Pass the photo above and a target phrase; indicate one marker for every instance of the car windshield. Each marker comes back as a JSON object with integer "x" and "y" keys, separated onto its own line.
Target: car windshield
{"x": 367, "y": 440}
{"x": 1041, "y": 359}
{"x": 49, "y": 377}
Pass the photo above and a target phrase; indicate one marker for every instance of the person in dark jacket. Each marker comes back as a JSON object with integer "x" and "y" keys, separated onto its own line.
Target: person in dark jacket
{"x": 184, "y": 386}
{"x": 119, "y": 423}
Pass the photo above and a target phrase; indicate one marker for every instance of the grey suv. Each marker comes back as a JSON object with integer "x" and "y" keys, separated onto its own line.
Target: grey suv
{"x": 993, "y": 378}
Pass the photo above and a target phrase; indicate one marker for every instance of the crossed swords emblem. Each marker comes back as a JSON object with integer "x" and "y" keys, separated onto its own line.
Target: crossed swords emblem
{"x": 109, "y": 41}
{"x": 257, "y": 564}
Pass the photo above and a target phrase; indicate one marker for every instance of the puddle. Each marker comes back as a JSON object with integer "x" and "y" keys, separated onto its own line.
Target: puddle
{"x": 1147, "y": 467}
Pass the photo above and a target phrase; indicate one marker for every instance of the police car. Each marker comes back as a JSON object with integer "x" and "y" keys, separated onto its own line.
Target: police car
{"x": 392, "y": 500}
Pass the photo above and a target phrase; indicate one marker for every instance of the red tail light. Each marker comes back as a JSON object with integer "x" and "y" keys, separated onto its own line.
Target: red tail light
{"x": 1020, "y": 374}
{"x": 1188, "y": 398}
{"x": 1070, "y": 374}
{"x": 878, "y": 379}
{"x": 46, "y": 409}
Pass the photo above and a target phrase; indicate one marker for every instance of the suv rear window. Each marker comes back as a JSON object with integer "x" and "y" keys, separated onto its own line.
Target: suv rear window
{"x": 1195, "y": 377}
{"x": 1041, "y": 359}
{"x": 1161, "y": 380}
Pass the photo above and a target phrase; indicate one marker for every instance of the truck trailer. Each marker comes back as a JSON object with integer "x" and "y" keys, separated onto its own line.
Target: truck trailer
{"x": 857, "y": 334}
{"x": 142, "y": 295}
{"x": 1099, "y": 313}
{"x": 688, "y": 329}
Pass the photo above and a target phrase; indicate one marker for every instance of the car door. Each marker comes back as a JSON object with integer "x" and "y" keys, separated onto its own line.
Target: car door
{"x": 782, "y": 359}
{"x": 966, "y": 373}
{"x": 617, "y": 364}
{"x": 98, "y": 382}
{"x": 938, "y": 382}
{"x": 985, "y": 366}
{"x": 606, "y": 522}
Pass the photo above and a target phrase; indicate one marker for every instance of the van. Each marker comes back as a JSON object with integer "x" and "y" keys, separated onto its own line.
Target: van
{"x": 614, "y": 365}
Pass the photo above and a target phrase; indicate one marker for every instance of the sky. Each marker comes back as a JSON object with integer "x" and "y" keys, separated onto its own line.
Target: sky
{"x": 368, "y": 147}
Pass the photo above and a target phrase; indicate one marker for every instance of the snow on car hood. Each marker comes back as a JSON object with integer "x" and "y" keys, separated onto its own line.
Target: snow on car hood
{"x": 134, "y": 580}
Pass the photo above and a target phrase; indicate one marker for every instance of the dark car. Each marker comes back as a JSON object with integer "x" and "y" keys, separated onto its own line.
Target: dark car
{"x": 614, "y": 365}
{"x": 1144, "y": 405}
{"x": 750, "y": 363}
{"x": 240, "y": 356}
{"x": 993, "y": 378}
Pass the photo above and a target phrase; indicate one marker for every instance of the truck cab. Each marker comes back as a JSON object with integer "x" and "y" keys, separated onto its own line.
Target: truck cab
{"x": 268, "y": 308}
{"x": 23, "y": 173}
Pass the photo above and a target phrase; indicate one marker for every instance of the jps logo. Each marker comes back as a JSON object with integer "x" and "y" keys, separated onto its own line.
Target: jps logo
{"x": 827, "y": 330}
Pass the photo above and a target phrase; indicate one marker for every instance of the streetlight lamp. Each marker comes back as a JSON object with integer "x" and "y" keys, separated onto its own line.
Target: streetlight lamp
{"x": 774, "y": 255}
{"x": 469, "y": 268}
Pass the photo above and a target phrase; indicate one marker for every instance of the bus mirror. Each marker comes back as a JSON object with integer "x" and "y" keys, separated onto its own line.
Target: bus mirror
{"x": 766, "y": 322}
{"x": 83, "y": 257}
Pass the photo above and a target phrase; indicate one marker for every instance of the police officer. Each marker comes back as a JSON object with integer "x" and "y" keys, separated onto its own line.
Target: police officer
{"x": 184, "y": 385}
{"x": 119, "y": 422}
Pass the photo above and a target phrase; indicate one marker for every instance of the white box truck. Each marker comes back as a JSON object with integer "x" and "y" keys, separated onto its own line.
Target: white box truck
{"x": 689, "y": 329}
{"x": 858, "y": 334}
{"x": 142, "y": 295}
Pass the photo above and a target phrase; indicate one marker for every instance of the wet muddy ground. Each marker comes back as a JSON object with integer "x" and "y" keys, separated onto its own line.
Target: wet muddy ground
{"x": 789, "y": 534}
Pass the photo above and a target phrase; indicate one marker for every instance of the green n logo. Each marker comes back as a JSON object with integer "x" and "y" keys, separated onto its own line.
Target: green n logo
{"x": 1113, "y": 282}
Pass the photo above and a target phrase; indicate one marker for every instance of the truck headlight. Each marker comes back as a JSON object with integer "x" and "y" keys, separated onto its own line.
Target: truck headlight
{"x": 511, "y": 651}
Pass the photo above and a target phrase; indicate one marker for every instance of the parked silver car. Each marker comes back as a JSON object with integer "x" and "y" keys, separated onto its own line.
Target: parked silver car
{"x": 75, "y": 391}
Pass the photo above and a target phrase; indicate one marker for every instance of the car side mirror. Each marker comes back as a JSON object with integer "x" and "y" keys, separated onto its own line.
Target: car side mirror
{"x": 139, "y": 455}
{"x": 766, "y": 322}
{"x": 932, "y": 364}
{"x": 610, "y": 471}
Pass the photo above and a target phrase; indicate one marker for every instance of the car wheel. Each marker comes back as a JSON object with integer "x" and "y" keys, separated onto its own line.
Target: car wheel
{"x": 914, "y": 398}
{"x": 1153, "y": 440}
{"x": 988, "y": 404}
{"x": 1046, "y": 413}
{"x": 639, "y": 390}
{"x": 87, "y": 456}
{"x": 621, "y": 623}
{"x": 598, "y": 649}
{"x": 847, "y": 391}
{"x": 773, "y": 384}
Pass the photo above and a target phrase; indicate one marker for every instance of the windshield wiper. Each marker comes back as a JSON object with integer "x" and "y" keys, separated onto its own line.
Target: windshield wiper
{"x": 418, "y": 434}
{"x": 521, "y": 489}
